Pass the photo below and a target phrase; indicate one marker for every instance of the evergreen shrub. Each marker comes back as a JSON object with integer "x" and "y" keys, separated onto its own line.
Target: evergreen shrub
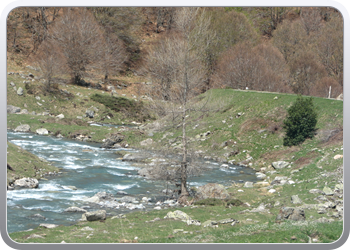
{"x": 301, "y": 121}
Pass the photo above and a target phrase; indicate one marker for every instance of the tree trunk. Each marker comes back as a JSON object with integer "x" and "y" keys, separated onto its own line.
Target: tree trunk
{"x": 184, "y": 191}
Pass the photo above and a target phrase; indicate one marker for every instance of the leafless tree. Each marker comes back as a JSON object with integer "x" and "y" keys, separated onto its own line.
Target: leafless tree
{"x": 311, "y": 19}
{"x": 329, "y": 47}
{"x": 79, "y": 36}
{"x": 50, "y": 61}
{"x": 305, "y": 72}
{"x": 258, "y": 68}
{"x": 276, "y": 64}
{"x": 290, "y": 38}
{"x": 13, "y": 23}
{"x": 273, "y": 16}
{"x": 112, "y": 55}
{"x": 177, "y": 73}
{"x": 241, "y": 68}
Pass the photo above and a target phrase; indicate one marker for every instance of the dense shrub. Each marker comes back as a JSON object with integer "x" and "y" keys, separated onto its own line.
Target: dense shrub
{"x": 300, "y": 123}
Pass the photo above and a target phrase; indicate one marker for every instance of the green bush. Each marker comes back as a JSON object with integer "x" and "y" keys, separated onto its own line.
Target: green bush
{"x": 210, "y": 202}
{"x": 234, "y": 202}
{"x": 218, "y": 202}
{"x": 301, "y": 121}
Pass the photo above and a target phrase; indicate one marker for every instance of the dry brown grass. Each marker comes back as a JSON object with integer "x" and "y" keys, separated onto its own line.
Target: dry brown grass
{"x": 253, "y": 124}
{"x": 305, "y": 160}
{"x": 335, "y": 139}
{"x": 276, "y": 155}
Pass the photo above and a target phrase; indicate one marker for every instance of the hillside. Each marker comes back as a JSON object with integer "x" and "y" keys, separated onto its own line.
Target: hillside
{"x": 250, "y": 123}
{"x": 289, "y": 45}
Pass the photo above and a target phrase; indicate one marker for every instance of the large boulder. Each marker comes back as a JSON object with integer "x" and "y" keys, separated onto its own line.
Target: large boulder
{"x": 178, "y": 215}
{"x": 112, "y": 140}
{"x": 136, "y": 157}
{"x": 95, "y": 215}
{"x": 13, "y": 109}
{"x": 145, "y": 172}
{"x": 295, "y": 199}
{"x": 212, "y": 190}
{"x": 90, "y": 113}
{"x": 75, "y": 210}
{"x": 127, "y": 199}
{"x": 26, "y": 183}
{"x": 60, "y": 116}
{"x": 328, "y": 191}
{"x": 49, "y": 226}
{"x": 248, "y": 184}
{"x": 24, "y": 111}
{"x": 280, "y": 164}
{"x": 100, "y": 196}
{"x": 146, "y": 142}
{"x": 42, "y": 131}
{"x": 20, "y": 91}
{"x": 291, "y": 213}
{"x": 22, "y": 128}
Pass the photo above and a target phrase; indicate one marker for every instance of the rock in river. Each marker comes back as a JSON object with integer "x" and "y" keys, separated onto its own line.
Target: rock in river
{"x": 112, "y": 140}
{"x": 75, "y": 210}
{"x": 42, "y": 131}
{"x": 26, "y": 183}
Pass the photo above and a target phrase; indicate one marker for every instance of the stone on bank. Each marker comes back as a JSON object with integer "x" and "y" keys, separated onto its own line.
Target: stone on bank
{"x": 93, "y": 216}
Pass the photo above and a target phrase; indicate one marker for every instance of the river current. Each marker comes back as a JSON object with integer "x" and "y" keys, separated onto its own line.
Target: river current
{"x": 90, "y": 169}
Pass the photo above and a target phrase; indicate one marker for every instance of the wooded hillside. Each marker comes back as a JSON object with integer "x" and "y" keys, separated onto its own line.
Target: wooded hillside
{"x": 278, "y": 49}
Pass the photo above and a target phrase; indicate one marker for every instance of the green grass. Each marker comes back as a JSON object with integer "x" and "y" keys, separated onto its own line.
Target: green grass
{"x": 258, "y": 131}
{"x": 252, "y": 228}
{"x": 25, "y": 164}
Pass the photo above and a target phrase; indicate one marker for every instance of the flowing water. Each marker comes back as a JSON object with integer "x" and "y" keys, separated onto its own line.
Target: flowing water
{"x": 91, "y": 170}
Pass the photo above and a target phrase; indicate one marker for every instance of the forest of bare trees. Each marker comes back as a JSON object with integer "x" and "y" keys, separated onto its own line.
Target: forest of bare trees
{"x": 282, "y": 49}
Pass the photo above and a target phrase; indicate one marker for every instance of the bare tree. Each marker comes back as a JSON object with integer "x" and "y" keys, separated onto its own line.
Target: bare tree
{"x": 241, "y": 68}
{"x": 13, "y": 23}
{"x": 259, "y": 68}
{"x": 311, "y": 19}
{"x": 79, "y": 36}
{"x": 305, "y": 72}
{"x": 273, "y": 16}
{"x": 329, "y": 47}
{"x": 50, "y": 61}
{"x": 290, "y": 38}
{"x": 112, "y": 55}
{"x": 177, "y": 73}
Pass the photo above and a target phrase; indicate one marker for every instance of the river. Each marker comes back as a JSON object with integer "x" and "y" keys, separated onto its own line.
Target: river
{"x": 91, "y": 170}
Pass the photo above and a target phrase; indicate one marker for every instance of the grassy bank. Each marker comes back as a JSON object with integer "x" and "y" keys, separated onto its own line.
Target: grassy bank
{"x": 24, "y": 164}
{"x": 144, "y": 227}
